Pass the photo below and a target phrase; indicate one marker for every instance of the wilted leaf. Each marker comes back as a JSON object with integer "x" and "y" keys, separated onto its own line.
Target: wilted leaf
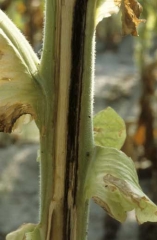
{"x": 113, "y": 183}
{"x": 18, "y": 91}
{"x": 109, "y": 129}
{"x": 105, "y": 8}
{"x": 131, "y": 10}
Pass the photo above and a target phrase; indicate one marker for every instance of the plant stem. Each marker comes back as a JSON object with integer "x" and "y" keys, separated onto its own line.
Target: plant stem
{"x": 66, "y": 127}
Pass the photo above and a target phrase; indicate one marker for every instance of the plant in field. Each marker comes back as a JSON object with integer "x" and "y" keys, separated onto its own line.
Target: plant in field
{"x": 79, "y": 156}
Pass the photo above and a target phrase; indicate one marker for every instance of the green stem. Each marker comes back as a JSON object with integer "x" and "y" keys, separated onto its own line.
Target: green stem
{"x": 66, "y": 127}
{"x": 86, "y": 120}
{"x": 47, "y": 134}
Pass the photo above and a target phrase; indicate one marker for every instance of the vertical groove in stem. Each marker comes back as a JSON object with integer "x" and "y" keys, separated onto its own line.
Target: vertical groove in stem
{"x": 74, "y": 117}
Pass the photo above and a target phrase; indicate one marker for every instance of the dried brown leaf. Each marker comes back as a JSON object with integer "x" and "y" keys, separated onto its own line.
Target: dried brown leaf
{"x": 131, "y": 10}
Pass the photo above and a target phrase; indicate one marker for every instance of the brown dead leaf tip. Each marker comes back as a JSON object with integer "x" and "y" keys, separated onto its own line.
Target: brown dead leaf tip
{"x": 9, "y": 115}
{"x": 131, "y": 11}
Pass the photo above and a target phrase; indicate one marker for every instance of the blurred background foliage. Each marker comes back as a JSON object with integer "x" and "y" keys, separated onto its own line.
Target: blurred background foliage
{"x": 28, "y": 17}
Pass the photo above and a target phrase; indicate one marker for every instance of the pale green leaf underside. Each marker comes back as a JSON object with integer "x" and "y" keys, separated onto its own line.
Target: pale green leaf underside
{"x": 19, "y": 92}
{"x": 109, "y": 129}
{"x": 14, "y": 74}
{"x": 19, "y": 42}
{"x": 113, "y": 183}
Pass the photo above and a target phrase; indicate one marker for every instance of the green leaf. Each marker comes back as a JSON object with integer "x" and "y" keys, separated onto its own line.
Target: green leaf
{"x": 109, "y": 129}
{"x": 113, "y": 183}
{"x": 19, "y": 42}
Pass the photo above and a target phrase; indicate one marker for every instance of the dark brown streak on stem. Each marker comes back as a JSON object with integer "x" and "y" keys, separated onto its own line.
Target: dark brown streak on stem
{"x": 71, "y": 175}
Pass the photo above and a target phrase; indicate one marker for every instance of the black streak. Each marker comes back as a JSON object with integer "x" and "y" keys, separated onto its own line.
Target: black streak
{"x": 78, "y": 39}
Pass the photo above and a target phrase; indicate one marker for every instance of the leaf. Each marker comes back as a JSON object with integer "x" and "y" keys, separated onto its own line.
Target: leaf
{"x": 113, "y": 183}
{"x": 106, "y": 8}
{"x": 131, "y": 10}
{"x": 109, "y": 129}
{"x": 19, "y": 42}
{"x": 19, "y": 93}
{"x": 27, "y": 231}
